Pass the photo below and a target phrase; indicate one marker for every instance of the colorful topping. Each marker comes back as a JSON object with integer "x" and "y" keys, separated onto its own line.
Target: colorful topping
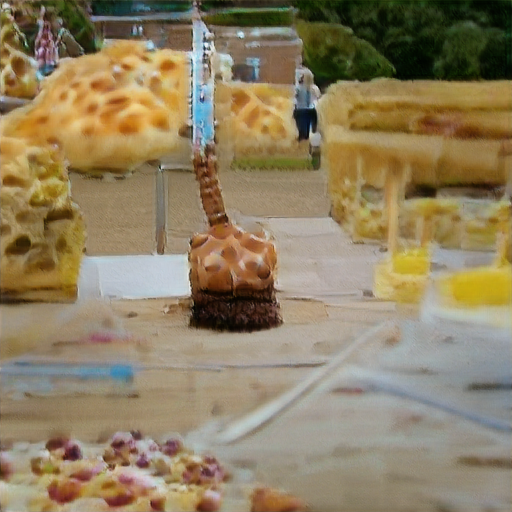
{"x": 171, "y": 447}
{"x": 122, "y": 440}
{"x": 44, "y": 465}
{"x": 207, "y": 472}
{"x": 6, "y": 466}
{"x": 210, "y": 501}
{"x": 155, "y": 470}
{"x": 116, "y": 494}
{"x": 158, "y": 504}
{"x": 87, "y": 473}
{"x": 56, "y": 443}
{"x": 270, "y": 500}
{"x": 72, "y": 451}
{"x": 136, "y": 434}
{"x": 64, "y": 491}
{"x": 142, "y": 461}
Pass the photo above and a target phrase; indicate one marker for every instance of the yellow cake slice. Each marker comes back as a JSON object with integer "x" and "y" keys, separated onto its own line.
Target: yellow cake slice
{"x": 359, "y": 164}
{"x": 479, "y": 295}
{"x": 442, "y": 137}
{"x": 461, "y": 109}
{"x": 42, "y": 235}
{"x": 484, "y": 286}
{"x": 403, "y": 277}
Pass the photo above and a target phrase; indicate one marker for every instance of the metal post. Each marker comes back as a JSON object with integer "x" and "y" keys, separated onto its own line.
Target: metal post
{"x": 162, "y": 194}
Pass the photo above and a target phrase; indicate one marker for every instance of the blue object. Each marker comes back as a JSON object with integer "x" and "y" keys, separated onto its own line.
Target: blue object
{"x": 119, "y": 372}
{"x": 202, "y": 90}
{"x": 22, "y": 378}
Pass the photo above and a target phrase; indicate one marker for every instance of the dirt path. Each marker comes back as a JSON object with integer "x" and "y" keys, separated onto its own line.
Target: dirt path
{"x": 120, "y": 214}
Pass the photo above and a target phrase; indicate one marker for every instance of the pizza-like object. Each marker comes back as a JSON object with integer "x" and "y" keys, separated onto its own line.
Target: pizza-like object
{"x": 112, "y": 110}
{"x": 128, "y": 473}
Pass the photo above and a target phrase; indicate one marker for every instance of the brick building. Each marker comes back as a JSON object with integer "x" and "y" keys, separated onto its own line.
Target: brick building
{"x": 268, "y": 55}
{"x": 273, "y": 53}
{"x": 169, "y": 30}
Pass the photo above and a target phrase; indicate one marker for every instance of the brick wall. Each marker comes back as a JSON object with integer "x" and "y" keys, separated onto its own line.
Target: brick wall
{"x": 177, "y": 37}
{"x": 164, "y": 35}
{"x": 279, "y": 56}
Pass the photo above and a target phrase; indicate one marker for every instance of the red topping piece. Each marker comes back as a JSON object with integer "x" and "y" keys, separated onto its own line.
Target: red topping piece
{"x": 64, "y": 491}
{"x": 171, "y": 447}
{"x": 210, "y": 501}
{"x": 271, "y": 500}
{"x": 119, "y": 500}
{"x": 158, "y": 504}
{"x": 142, "y": 461}
{"x": 136, "y": 434}
{"x": 6, "y": 466}
{"x": 55, "y": 443}
{"x": 85, "y": 474}
{"x": 122, "y": 439}
{"x": 72, "y": 451}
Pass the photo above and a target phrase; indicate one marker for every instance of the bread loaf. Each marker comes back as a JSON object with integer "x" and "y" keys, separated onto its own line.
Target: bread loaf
{"x": 42, "y": 231}
{"x": 113, "y": 110}
{"x": 17, "y": 69}
{"x": 256, "y": 120}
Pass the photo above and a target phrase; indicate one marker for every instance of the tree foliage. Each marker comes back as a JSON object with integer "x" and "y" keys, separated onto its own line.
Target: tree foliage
{"x": 333, "y": 52}
{"x": 449, "y": 39}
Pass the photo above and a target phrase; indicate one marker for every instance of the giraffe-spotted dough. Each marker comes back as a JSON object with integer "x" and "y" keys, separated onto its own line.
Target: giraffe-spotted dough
{"x": 112, "y": 110}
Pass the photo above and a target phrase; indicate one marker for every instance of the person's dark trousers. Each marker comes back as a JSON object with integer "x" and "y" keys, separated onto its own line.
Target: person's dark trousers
{"x": 314, "y": 119}
{"x": 302, "y": 118}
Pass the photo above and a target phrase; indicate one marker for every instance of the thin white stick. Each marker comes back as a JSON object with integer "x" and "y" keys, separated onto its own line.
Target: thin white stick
{"x": 270, "y": 410}
{"x": 392, "y": 211}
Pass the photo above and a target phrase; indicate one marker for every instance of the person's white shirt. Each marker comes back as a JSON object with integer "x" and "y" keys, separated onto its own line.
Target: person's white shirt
{"x": 315, "y": 95}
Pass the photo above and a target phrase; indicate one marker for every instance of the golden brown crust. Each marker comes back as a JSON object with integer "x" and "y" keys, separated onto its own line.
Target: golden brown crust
{"x": 42, "y": 231}
{"x": 228, "y": 259}
{"x": 266, "y": 499}
{"x": 115, "y": 109}
{"x": 256, "y": 119}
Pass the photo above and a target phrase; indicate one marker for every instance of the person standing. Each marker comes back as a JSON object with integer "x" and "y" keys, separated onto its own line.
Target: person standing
{"x": 315, "y": 96}
{"x": 306, "y": 97}
{"x": 301, "y": 113}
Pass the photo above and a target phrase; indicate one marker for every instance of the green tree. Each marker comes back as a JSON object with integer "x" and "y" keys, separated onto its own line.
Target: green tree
{"x": 460, "y": 56}
{"x": 456, "y": 37}
{"x": 495, "y": 59}
{"x": 333, "y": 52}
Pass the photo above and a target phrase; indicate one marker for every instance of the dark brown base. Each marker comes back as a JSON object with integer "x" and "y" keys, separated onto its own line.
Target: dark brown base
{"x": 237, "y": 314}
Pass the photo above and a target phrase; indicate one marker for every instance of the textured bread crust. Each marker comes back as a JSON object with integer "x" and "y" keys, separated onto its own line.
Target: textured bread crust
{"x": 447, "y": 143}
{"x": 18, "y": 74}
{"x": 17, "y": 69}
{"x": 255, "y": 120}
{"x": 42, "y": 231}
{"x": 232, "y": 281}
{"x": 420, "y": 106}
{"x": 230, "y": 260}
{"x": 113, "y": 110}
